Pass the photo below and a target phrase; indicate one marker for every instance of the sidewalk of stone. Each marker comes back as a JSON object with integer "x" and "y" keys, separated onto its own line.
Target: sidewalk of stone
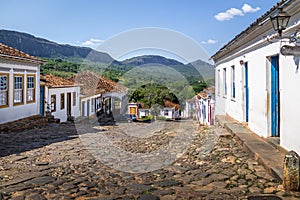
{"x": 268, "y": 155}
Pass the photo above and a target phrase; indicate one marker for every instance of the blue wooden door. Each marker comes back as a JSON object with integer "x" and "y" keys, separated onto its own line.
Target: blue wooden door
{"x": 275, "y": 96}
{"x": 42, "y": 103}
{"x": 246, "y": 93}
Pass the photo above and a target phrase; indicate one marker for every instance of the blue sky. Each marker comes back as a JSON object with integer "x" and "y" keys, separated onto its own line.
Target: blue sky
{"x": 209, "y": 23}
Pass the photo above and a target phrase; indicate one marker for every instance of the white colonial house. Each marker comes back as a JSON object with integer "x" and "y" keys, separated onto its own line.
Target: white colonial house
{"x": 170, "y": 110}
{"x": 19, "y": 84}
{"x": 60, "y": 97}
{"x": 97, "y": 93}
{"x": 256, "y": 83}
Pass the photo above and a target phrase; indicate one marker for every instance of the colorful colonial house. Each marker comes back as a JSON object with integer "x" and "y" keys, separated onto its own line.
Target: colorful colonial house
{"x": 201, "y": 106}
{"x": 257, "y": 76}
{"x": 19, "y": 84}
{"x": 60, "y": 97}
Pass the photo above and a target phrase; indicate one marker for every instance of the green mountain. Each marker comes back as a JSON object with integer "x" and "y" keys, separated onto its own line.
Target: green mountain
{"x": 193, "y": 72}
{"x": 66, "y": 60}
{"x": 44, "y": 48}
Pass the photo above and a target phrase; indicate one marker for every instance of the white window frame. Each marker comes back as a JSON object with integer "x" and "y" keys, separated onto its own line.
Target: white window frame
{"x": 18, "y": 89}
{"x": 30, "y": 98}
{"x": 224, "y": 82}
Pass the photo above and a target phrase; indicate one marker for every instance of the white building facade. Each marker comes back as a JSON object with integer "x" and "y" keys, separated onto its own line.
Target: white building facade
{"x": 19, "y": 84}
{"x": 256, "y": 84}
{"x": 64, "y": 102}
{"x": 90, "y": 104}
{"x": 61, "y": 98}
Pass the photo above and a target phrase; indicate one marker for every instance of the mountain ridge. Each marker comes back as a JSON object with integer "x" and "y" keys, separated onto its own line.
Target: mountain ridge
{"x": 41, "y": 47}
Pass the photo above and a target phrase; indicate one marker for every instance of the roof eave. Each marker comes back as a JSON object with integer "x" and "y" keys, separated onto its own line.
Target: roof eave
{"x": 258, "y": 22}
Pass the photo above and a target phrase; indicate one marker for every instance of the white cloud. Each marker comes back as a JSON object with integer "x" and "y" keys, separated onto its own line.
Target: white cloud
{"x": 210, "y": 41}
{"x": 248, "y": 9}
{"x": 230, "y": 13}
{"x": 93, "y": 43}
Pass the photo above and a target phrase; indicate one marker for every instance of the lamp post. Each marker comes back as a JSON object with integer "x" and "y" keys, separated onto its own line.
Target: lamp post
{"x": 280, "y": 21}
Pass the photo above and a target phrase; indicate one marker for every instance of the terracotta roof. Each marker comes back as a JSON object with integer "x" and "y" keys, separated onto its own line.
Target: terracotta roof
{"x": 55, "y": 81}
{"x": 92, "y": 83}
{"x": 170, "y": 104}
{"x": 250, "y": 28}
{"x": 9, "y": 52}
{"x": 202, "y": 95}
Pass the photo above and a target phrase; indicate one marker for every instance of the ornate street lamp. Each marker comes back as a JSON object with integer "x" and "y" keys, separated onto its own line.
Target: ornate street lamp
{"x": 280, "y": 21}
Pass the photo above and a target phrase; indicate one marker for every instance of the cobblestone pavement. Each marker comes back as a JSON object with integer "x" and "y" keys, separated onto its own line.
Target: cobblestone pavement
{"x": 54, "y": 162}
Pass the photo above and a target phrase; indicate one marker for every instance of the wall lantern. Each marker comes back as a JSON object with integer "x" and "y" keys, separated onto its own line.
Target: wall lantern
{"x": 280, "y": 21}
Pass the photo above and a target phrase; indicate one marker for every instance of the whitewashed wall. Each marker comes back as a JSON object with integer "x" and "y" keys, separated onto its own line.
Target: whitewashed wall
{"x": 62, "y": 113}
{"x": 170, "y": 113}
{"x": 290, "y": 103}
{"x": 259, "y": 67}
{"x": 84, "y": 111}
{"x": 12, "y": 113}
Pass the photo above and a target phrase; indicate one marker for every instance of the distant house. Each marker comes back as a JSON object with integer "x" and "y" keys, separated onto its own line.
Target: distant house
{"x": 256, "y": 83}
{"x": 19, "y": 84}
{"x": 97, "y": 93}
{"x": 170, "y": 110}
{"x": 204, "y": 108}
{"x": 138, "y": 110}
{"x": 201, "y": 107}
{"x": 133, "y": 109}
{"x": 144, "y": 112}
{"x": 60, "y": 97}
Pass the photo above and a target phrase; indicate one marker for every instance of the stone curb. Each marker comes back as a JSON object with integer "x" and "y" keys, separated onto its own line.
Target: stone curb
{"x": 270, "y": 157}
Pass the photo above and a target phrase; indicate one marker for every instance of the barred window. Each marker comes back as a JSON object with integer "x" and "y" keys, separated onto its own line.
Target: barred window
{"x": 3, "y": 90}
{"x": 53, "y": 103}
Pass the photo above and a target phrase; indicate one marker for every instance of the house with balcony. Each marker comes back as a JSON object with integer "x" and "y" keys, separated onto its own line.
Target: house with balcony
{"x": 257, "y": 75}
{"x": 19, "y": 85}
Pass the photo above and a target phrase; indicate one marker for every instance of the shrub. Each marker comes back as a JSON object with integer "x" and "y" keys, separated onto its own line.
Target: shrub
{"x": 161, "y": 118}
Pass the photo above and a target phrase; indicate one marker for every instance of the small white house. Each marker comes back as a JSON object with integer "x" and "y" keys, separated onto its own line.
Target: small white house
{"x": 61, "y": 97}
{"x": 144, "y": 112}
{"x": 90, "y": 104}
{"x": 256, "y": 83}
{"x": 170, "y": 110}
{"x": 97, "y": 93}
{"x": 19, "y": 84}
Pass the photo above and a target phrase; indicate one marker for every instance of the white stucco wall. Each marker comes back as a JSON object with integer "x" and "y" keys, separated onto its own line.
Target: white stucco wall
{"x": 259, "y": 69}
{"x": 289, "y": 107}
{"x": 143, "y": 113}
{"x": 85, "y": 110}
{"x": 170, "y": 113}
{"x": 15, "y": 112}
{"x": 62, "y": 113}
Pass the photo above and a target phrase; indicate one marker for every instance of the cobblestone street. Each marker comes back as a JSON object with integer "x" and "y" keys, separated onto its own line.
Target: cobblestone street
{"x": 171, "y": 160}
